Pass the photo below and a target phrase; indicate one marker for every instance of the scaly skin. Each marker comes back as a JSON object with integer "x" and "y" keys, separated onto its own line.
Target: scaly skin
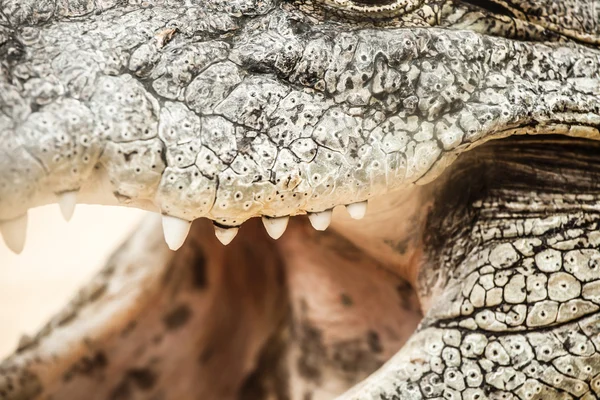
{"x": 193, "y": 112}
{"x": 237, "y": 109}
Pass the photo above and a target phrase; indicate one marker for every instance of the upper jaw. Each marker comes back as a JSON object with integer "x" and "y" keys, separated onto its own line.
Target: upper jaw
{"x": 231, "y": 116}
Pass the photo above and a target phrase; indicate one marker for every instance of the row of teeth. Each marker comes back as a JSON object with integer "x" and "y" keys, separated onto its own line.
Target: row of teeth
{"x": 175, "y": 229}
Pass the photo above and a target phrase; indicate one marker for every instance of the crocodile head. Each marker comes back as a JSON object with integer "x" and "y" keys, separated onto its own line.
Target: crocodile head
{"x": 475, "y": 273}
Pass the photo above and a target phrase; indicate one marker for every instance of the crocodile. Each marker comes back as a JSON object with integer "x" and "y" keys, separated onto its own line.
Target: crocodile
{"x": 460, "y": 136}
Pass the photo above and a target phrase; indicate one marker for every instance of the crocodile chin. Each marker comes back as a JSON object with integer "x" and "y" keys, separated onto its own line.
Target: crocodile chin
{"x": 461, "y": 137}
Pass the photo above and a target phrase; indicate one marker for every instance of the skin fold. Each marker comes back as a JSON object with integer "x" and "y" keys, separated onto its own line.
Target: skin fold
{"x": 470, "y": 128}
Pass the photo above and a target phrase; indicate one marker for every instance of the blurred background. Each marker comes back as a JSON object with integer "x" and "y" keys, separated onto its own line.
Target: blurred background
{"x": 58, "y": 258}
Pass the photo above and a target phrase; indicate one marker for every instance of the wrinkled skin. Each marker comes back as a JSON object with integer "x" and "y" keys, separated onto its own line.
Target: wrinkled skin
{"x": 474, "y": 275}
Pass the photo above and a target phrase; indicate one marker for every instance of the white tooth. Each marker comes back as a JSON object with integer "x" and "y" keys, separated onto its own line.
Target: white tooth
{"x": 14, "y": 231}
{"x": 225, "y": 235}
{"x": 320, "y": 220}
{"x": 275, "y": 226}
{"x": 357, "y": 210}
{"x": 175, "y": 230}
{"x": 67, "y": 202}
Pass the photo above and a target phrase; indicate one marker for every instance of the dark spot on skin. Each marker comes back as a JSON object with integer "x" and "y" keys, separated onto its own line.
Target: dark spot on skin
{"x": 374, "y": 342}
{"x": 87, "y": 365}
{"x": 121, "y": 392}
{"x": 140, "y": 378}
{"x": 24, "y": 386}
{"x": 177, "y": 317}
{"x": 352, "y": 357}
{"x": 403, "y": 288}
{"x": 346, "y": 300}
{"x": 270, "y": 379}
{"x": 408, "y": 296}
{"x": 313, "y": 352}
{"x": 199, "y": 269}
{"x": 98, "y": 361}
{"x": 206, "y": 355}
{"x": 143, "y": 378}
{"x": 308, "y": 396}
{"x": 399, "y": 247}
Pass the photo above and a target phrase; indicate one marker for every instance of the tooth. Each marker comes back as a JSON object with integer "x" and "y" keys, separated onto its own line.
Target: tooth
{"x": 275, "y": 226}
{"x": 225, "y": 234}
{"x": 14, "y": 231}
{"x": 67, "y": 202}
{"x": 175, "y": 230}
{"x": 320, "y": 220}
{"x": 357, "y": 210}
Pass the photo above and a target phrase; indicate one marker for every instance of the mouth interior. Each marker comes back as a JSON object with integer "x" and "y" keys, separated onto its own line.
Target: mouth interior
{"x": 312, "y": 311}
{"x": 315, "y": 298}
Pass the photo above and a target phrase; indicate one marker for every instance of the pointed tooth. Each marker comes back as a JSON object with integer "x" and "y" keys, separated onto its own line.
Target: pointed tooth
{"x": 320, "y": 220}
{"x": 275, "y": 226}
{"x": 225, "y": 234}
{"x": 357, "y": 210}
{"x": 175, "y": 230}
{"x": 14, "y": 232}
{"x": 67, "y": 202}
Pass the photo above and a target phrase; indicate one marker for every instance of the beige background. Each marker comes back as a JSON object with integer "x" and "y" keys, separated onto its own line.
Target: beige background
{"x": 58, "y": 258}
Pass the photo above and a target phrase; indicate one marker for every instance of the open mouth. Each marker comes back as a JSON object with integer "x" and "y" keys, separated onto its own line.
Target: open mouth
{"x": 458, "y": 135}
